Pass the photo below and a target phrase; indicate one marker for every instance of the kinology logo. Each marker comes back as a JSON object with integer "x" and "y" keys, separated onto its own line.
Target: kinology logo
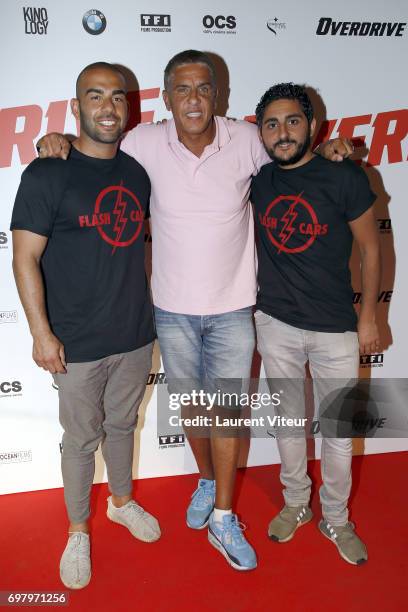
{"x": 94, "y": 22}
{"x": 155, "y": 23}
{"x": 275, "y": 26}
{"x": 119, "y": 225}
{"x": 35, "y": 19}
{"x": 288, "y": 220}
{"x": 219, "y": 24}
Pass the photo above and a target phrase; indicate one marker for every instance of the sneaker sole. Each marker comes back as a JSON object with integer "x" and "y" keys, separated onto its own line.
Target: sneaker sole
{"x": 130, "y": 531}
{"x": 203, "y": 526}
{"x": 76, "y": 587}
{"x": 290, "y": 536}
{"x": 342, "y": 555}
{"x": 217, "y": 544}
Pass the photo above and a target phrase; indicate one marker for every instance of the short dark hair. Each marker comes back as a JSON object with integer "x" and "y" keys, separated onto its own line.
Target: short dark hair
{"x": 285, "y": 91}
{"x": 96, "y": 65}
{"x": 190, "y": 56}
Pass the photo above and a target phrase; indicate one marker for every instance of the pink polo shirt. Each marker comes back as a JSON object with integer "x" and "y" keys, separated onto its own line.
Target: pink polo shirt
{"x": 203, "y": 258}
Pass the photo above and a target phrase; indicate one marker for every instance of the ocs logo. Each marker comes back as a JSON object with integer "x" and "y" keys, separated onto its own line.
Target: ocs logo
{"x": 220, "y": 22}
{"x": 10, "y": 387}
{"x": 94, "y": 22}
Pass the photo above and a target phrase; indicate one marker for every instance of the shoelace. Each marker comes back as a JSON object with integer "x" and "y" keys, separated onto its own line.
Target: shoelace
{"x": 234, "y": 531}
{"x": 80, "y": 547}
{"x": 201, "y": 496}
{"x": 132, "y": 507}
{"x": 78, "y": 542}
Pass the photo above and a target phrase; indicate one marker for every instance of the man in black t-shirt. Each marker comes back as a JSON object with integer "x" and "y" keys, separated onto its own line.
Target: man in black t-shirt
{"x": 307, "y": 212}
{"x": 78, "y": 244}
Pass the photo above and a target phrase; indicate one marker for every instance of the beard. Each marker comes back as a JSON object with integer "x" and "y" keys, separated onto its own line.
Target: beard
{"x": 301, "y": 150}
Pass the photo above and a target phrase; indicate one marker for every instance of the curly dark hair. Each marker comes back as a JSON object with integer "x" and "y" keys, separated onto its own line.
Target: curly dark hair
{"x": 285, "y": 91}
{"x": 190, "y": 56}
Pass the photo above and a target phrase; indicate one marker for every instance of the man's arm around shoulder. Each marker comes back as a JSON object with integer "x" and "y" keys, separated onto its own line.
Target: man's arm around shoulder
{"x": 58, "y": 145}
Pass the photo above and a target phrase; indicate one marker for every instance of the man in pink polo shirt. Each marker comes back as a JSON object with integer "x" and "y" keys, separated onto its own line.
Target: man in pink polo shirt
{"x": 204, "y": 276}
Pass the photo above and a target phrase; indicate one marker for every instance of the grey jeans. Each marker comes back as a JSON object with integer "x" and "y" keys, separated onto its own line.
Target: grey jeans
{"x": 285, "y": 350}
{"x": 98, "y": 402}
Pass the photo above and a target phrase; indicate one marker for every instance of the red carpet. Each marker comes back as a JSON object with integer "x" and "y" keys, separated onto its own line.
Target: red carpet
{"x": 183, "y": 572}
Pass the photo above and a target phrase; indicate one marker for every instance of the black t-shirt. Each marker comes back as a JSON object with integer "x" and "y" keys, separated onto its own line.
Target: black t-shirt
{"x": 304, "y": 241}
{"x": 92, "y": 212}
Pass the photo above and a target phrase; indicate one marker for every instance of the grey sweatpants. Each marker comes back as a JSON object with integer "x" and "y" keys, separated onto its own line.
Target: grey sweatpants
{"x": 285, "y": 350}
{"x": 98, "y": 402}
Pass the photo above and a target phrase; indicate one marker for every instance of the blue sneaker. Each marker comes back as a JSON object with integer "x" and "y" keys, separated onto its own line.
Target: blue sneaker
{"x": 228, "y": 538}
{"x": 201, "y": 505}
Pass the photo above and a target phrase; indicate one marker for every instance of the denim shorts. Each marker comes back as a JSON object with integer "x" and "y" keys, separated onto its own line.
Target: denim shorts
{"x": 210, "y": 352}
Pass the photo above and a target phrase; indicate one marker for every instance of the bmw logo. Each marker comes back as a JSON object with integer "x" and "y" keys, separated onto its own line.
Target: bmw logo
{"x": 94, "y": 22}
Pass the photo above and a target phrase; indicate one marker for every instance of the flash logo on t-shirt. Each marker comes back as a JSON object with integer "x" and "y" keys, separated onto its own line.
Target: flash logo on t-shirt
{"x": 288, "y": 218}
{"x": 118, "y": 219}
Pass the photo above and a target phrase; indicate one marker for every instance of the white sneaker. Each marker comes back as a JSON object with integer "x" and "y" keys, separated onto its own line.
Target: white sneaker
{"x": 75, "y": 564}
{"x": 140, "y": 523}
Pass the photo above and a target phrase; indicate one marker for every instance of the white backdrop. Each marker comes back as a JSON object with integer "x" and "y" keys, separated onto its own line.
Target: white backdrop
{"x": 358, "y": 71}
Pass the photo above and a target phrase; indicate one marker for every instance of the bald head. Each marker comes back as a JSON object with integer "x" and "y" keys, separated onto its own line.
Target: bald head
{"x": 97, "y": 66}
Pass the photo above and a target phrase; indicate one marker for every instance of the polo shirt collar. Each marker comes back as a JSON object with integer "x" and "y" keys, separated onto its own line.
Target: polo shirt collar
{"x": 222, "y": 134}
